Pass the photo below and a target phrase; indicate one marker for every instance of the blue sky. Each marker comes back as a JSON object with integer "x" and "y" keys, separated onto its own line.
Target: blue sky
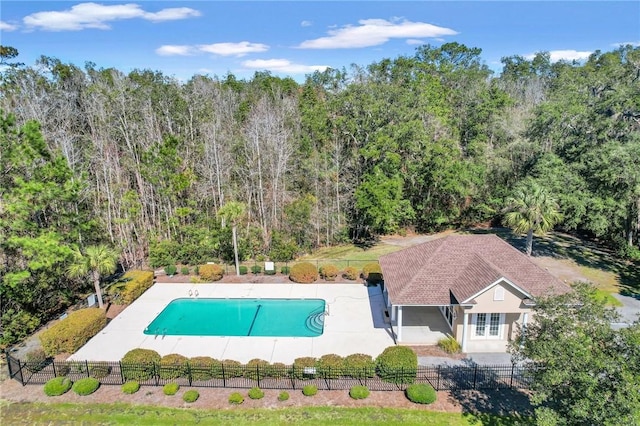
{"x": 294, "y": 38}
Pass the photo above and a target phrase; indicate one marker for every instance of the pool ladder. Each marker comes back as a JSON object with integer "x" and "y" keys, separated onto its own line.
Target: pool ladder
{"x": 157, "y": 333}
{"x": 193, "y": 293}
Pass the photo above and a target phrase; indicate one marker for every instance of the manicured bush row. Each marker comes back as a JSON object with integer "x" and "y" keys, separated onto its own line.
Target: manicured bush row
{"x": 304, "y": 273}
{"x": 173, "y": 366}
{"x": 329, "y": 272}
{"x": 86, "y": 386}
{"x": 71, "y": 333}
{"x": 351, "y": 273}
{"x": 211, "y": 272}
{"x": 360, "y": 366}
{"x": 139, "y": 364}
{"x": 57, "y": 386}
{"x": 397, "y": 364}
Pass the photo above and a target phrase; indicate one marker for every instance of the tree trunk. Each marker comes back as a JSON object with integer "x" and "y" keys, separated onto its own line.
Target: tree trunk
{"x": 529, "y": 242}
{"x": 96, "y": 284}
{"x": 235, "y": 249}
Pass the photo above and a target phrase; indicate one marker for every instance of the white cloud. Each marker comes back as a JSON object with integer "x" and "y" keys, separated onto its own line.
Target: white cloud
{"x": 306, "y": 23}
{"x": 624, "y": 43}
{"x": 94, "y": 15}
{"x": 282, "y": 65}
{"x": 5, "y": 26}
{"x": 564, "y": 55}
{"x": 374, "y": 32}
{"x": 233, "y": 49}
{"x": 175, "y": 50}
{"x": 414, "y": 41}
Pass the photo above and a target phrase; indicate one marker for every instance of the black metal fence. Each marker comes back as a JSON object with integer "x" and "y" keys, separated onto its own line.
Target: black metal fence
{"x": 221, "y": 375}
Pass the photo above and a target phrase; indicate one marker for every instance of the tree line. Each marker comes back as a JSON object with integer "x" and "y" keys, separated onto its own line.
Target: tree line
{"x": 145, "y": 163}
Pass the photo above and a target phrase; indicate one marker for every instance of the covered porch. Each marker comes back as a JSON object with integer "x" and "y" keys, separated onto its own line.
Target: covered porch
{"x": 423, "y": 325}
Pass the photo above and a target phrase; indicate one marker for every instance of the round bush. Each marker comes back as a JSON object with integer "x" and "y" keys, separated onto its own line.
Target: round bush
{"x": 185, "y": 270}
{"x": 372, "y": 272}
{"x": 191, "y": 396}
{"x": 243, "y": 269}
{"x": 236, "y": 398}
{"x": 36, "y": 360}
{"x": 359, "y": 366}
{"x": 421, "y": 393}
{"x": 131, "y": 387}
{"x": 256, "y": 393}
{"x": 279, "y": 370}
{"x": 309, "y": 390}
{"x": 330, "y": 366}
{"x": 351, "y": 273}
{"x": 139, "y": 364}
{"x": 86, "y": 386}
{"x": 329, "y": 272}
{"x": 359, "y": 392}
{"x": 202, "y": 367}
{"x": 99, "y": 370}
{"x": 304, "y": 273}
{"x": 397, "y": 364}
{"x": 283, "y": 396}
{"x": 299, "y": 366}
{"x": 256, "y": 369}
{"x": 173, "y": 366}
{"x": 211, "y": 272}
{"x": 171, "y": 388}
{"x": 231, "y": 369}
{"x": 57, "y": 386}
{"x": 256, "y": 269}
{"x": 170, "y": 270}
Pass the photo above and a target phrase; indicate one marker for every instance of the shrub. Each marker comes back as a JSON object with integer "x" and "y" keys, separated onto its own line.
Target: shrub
{"x": 330, "y": 366}
{"x": 211, "y": 272}
{"x": 351, "y": 273}
{"x": 139, "y": 364}
{"x": 36, "y": 360}
{"x": 299, "y": 366}
{"x": 329, "y": 272}
{"x": 372, "y": 272}
{"x": 243, "y": 269}
{"x": 256, "y": 393}
{"x": 236, "y": 398}
{"x": 17, "y": 325}
{"x": 283, "y": 396}
{"x": 62, "y": 369}
{"x": 256, "y": 269}
{"x": 71, "y": 333}
{"x": 170, "y": 270}
{"x": 278, "y": 370}
{"x": 421, "y": 393}
{"x": 269, "y": 271}
{"x": 397, "y": 364}
{"x": 130, "y": 387}
{"x": 170, "y": 388}
{"x": 191, "y": 396}
{"x": 232, "y": 368}
{"x": 185, "y": 270}
{"x": 202, "y": 367}
{"x": 57, "y": 386}
{"x": 359, "y": 392}
{"x": 450, "y": 345}
{"x": 99, "y": 370}
{"x": 256, "y": 369}
{"x": 86, "y": 386}
{"x": 137, "y": 282}
{"x": 173, "y": 366}
{"x": 285, "y": 270}
{"x": 309, "y": 390}
{"x": 359, "y": 366}
{"x": 304, "y": 273}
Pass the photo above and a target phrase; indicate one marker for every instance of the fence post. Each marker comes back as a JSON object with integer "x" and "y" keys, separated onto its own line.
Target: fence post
{"x": 513, "y": 366}
{"x": 121, "y": 372}
{"x": 258, "y": 374}
{"x": 86, "y": 365}
{"x": 156, "y": 373}
{"x": 189, "y": 373}
{"x": 475, "y": 376}
{"x": 53, "y": 364}
{"x": 224, "y": 376}
{"x": 438, "y": 380}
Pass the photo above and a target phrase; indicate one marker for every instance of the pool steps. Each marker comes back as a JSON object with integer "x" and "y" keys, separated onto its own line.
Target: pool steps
{"x": 315, "y": 321}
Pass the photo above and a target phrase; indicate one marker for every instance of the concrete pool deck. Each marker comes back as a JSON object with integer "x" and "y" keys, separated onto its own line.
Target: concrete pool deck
{"x": 355, "y": 324}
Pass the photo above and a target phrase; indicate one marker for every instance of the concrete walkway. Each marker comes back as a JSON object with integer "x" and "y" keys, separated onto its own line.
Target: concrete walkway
{"x": 470, "y": 359}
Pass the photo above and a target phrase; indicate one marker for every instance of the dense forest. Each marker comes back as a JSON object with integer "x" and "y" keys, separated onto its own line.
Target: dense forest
{"x": 144, "y": 163}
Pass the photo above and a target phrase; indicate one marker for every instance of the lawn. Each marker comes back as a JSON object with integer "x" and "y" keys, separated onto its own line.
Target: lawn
{"x": 57, "y": 413}
{"x": 350, "y": 254}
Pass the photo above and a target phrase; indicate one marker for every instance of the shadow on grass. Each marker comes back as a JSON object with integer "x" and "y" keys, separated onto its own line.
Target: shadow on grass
{"x": 582, "y": 251}
{"x": 495, "y": 407}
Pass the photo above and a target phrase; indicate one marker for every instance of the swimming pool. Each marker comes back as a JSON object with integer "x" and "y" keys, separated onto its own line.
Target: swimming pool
{"x": 240, "y": 317}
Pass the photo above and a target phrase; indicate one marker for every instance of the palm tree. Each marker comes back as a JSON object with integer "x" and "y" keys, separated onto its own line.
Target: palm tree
{"x": 97, "y": 261}
{"x": 232, "y": 212}
{"x": 531, "y": 210}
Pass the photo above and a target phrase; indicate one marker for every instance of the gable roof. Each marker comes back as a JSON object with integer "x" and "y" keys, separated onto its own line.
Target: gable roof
{"x": 458, "y": 267}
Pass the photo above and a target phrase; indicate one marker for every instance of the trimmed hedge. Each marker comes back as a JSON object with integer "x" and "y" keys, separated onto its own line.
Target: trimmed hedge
{"x": 236, "y": 398}
{"x": 330, "y": 366}
{"x": 304, "y": 273}
{"x": 202, "y": 367}
{"x": 351, "y": 273}
{"x": 170, "y": 389}
{"x": 57, "y": 386}
{"x": 139, "y": 364}
{"x": 137, "y": 283}
{"x": 70, "y": 334}
{"x": 309, "y": 390}
{"x": 299, "y": 365}
{"x": 191, "y": 396}
{"x": 256, "y": 369}
{"x": 173, "y": 366}
{"x": 256, "y": 393}
{"x": 359, "y": 392}
{"x": 421, "y": 393}
{"x": 329, "y": 272}
{"x": 242, "y": 269}
{"x": 131, "y": 387}
{"x": 360, "y": 366}
{"x": 372, "y": 272}
{"x": 397, "y": 364}
{"x": 211, "y": 272}
{"x": 86, "y": 386}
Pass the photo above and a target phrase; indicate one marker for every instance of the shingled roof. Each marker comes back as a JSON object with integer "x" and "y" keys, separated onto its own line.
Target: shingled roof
{"x": 457, "y": 267}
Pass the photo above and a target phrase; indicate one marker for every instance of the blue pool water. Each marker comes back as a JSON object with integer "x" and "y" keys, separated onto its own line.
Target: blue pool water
{"x": 240, "y": 317}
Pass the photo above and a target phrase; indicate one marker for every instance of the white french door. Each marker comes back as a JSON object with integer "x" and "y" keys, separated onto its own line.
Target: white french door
{"x": 487, "y": 326}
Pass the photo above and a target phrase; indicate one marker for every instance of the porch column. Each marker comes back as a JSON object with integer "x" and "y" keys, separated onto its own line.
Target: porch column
{"x": 525, "y": 319}
{"x": 399, "y": 326}
{"x": 465, "y": 322}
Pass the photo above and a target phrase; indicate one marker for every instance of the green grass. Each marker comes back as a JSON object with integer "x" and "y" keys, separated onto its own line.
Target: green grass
{"x": 607, "y": 298}
{"x": 59, "y": 413}
{"x": 357, "y": 256}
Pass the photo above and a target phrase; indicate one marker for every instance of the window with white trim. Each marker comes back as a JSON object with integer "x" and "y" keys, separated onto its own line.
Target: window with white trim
{"x": 487, "y": 325}
{"x": 498, "y": 293}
